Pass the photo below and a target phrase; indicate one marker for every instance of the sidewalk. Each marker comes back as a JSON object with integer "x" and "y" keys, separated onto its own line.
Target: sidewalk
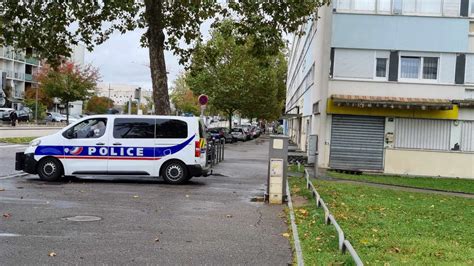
{"x": 27, "y": 131}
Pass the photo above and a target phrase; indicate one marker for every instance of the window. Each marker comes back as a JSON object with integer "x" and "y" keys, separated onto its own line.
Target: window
{"x": 344, "y": 4}
{"x": 90, "y": 128}
{"x": 381, "y": 68}
{"x": 134, "y": 128}
{"x": 419, "y": 67}
{"x": 384, "y": 6}
{"x": 410, "y": 67}
{"x": 409, "y": 7}
{"x": 364, "y": 5}
{"x": 429, "y": 7}
{"x": 471, "y": 9}
{"x": 171, "y": 129}
{"x": 430, "y": 68}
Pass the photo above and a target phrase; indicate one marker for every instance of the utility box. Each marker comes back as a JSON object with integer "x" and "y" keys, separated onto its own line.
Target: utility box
{"x": 277, "y": 169}
{"x": 312, "y": 149}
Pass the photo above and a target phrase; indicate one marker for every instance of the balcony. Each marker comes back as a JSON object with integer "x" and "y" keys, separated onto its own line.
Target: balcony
{"x": 29, "y": 77}
{"x": 32, "y": 61}
{"x": 19, "y": 57}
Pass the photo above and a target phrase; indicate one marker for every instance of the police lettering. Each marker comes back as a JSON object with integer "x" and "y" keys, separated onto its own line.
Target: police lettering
{"x": 115, "y": 151}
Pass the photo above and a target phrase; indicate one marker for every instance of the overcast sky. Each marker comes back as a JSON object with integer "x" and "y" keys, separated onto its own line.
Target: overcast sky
{"x": 121, "y": 59}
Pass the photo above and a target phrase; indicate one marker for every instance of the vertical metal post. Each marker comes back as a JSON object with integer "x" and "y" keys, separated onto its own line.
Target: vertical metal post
{"x": 36, "y": 105}
{"x": 130, "y": 105}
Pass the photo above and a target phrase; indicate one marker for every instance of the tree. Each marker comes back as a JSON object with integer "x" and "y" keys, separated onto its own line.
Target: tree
{"x": 68, "y": 82}
{"x": 99, "y": 104}
{"x": 52, "y": 27}
{"x": 183, "y": 98}
{"x": 45, "y": 100}
{"x": 236, "y": 79}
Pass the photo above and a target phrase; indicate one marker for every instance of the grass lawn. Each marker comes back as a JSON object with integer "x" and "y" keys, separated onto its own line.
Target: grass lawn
{"x": 447, "y": 184}
{"x": 19, "y": 140}
{"x": 385, "y": 226}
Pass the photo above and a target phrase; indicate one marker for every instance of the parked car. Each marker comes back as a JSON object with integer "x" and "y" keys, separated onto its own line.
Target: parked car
{"x": 55, "y": 117}
{"x": 255, "y": 132}
{"x": 240, "y": 133}
{"x": 25, "y": 114}
{"x": 6, "y": 112}
{"x": 221, "y": 132}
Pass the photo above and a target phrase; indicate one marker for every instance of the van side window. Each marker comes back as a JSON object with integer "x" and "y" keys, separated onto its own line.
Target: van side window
{"x": 134, "y": 128}
{"x": 87, "y": 129}
{"x": 171, "y": 129}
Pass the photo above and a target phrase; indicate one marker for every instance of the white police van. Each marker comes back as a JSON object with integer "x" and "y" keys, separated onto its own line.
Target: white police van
{"x": 172, "y": 147}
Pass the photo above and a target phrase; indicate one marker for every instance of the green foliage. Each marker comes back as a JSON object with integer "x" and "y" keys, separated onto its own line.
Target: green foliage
{"x": 53, "y": 27}
{"x": 143, "y": 107}
{"x": 235, "y": 79}
{"x": 99, "y": 105}
{"x": 30, "y": 103}
{"x": 183, "y": 98}
{"x": 68, "y": 82}
{"x": 386, "y": 226}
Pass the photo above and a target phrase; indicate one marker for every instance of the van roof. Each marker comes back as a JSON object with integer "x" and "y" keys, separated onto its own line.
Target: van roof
{"x": 185, "y": 118}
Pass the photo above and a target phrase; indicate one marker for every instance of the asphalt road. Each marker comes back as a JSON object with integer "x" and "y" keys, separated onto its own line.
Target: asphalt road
{"x": 211, "y": 220}
{"x": 7, "y": 157}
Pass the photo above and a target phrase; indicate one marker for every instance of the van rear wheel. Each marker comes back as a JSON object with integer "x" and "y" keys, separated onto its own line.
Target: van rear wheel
{"x": 50, "y": 169}
{"x": 175, "y": 172}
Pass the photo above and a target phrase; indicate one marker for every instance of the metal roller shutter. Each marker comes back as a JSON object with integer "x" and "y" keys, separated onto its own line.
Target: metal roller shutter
{"x": 357, "y": 142}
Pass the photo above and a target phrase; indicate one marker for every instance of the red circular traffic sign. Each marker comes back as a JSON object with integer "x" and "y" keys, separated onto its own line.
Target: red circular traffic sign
{"x": 203, "y": 99}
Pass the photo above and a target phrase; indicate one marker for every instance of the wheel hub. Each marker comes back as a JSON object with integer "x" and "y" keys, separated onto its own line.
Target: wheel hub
{"x": 174, "y": 172}
{"x": 49, "y": 168}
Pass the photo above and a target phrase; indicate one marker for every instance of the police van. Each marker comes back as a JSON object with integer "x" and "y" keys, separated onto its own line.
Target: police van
{"x": 170, "y": 147}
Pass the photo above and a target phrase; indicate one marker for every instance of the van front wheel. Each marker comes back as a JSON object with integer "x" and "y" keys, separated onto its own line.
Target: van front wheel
{"x": 175, "y": 172}
{"x": 50, "y": 169}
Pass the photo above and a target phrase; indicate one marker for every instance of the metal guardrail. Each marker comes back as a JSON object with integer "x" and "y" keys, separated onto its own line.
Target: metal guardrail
{"x": 343, "y": 244}
{"x": 215, "y": 151}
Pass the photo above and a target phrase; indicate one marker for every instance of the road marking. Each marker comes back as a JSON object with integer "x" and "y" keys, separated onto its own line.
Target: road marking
{"x": 8, "y": 235}
{"x": 18, "y": 174}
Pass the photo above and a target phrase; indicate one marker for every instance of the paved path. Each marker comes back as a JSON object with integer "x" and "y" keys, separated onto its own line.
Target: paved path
{"x": 211, "y": 220}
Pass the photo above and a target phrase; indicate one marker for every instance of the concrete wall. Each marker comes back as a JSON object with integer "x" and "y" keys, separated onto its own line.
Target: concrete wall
{"x": 409, "y": 33}
{"x": 429, "y": 163}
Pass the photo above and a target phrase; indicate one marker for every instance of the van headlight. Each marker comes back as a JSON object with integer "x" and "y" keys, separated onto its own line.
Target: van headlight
{"x": 35, "y": 142}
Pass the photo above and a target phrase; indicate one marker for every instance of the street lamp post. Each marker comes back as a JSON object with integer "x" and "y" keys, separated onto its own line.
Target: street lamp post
{"x": 36, "y": 105}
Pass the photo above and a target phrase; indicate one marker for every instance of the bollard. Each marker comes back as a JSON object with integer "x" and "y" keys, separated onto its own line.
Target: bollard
{"x": 223, "y": 149}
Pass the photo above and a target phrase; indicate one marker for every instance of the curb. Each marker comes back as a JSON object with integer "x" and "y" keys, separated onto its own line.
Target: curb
{"x": 294, "y": 229}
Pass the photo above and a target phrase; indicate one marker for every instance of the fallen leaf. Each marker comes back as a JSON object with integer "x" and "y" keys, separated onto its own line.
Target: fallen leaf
{"x": 287, "y": 235}
{"x": 2, "y": 189}
{"x": 318, "y": 238}
{"x": 7, "y": 215}
{"x": 374, "y": 230}
{"x": 135, "y": 196}
{"x": 157, "y": 239}
{"x": 228, "y": 216}
{"x": 52, "y": 254}
{"x": 432, "y": 206}
{"x": 397, "y": 250}
{"x": 187, "y": 196}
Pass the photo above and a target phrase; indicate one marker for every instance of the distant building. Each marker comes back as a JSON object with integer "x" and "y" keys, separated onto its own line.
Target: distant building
{"x": 387, "y": 86}
{"x": 18, "y": 69}
{"x": 121, "y": 93}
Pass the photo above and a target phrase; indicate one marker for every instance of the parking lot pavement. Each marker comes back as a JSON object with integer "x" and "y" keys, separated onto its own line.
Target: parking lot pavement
{"x": 211, "y": 220}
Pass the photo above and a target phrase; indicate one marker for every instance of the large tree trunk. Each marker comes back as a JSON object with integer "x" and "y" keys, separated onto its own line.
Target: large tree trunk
{"x": 156, "y": 39}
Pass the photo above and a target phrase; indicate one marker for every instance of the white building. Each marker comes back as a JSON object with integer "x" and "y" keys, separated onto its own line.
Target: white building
{"x": 121, "y": 93}
{"x": 18, "y": 69}
{"x": 387, "y": 85}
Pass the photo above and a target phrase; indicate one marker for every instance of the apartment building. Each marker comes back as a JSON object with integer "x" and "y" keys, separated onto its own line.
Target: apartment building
{"x": 121, "y": 93}
{"x": 17, "y": 69}
{"x": 387, "y": 85}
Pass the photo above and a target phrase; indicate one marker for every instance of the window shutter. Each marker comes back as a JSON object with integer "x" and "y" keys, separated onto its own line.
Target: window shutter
{"x": 460, "y": 69}
{"x": 393, "y": 67}
{"x": 464, "y": 8}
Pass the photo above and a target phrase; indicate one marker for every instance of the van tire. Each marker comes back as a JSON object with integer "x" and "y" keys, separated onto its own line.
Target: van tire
{"x": 50, "y": 169}
{"x": 175, "y": 172}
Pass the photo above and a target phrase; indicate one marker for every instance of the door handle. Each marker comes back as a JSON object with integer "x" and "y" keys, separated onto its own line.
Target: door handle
{"x": 100, "y": 144}
{"x": 117, "y": 144}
